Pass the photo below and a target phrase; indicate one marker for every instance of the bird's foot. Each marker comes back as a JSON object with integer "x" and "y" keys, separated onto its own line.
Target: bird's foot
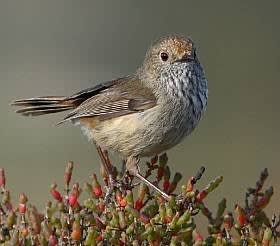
{"x": 109, "y": 190}
{"x": 133, "y": 169}
{"x": 122, "y": 183}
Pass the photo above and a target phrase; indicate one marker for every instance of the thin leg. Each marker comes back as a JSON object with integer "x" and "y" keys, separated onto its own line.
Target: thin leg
{"x": 105, "y": 161}
{"x": 109, "y": 172}
{"x": 132, "y": 167}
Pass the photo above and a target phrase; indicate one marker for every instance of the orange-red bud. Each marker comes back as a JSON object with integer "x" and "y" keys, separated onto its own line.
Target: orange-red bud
{"x": 68, "y": 173}
{"x": 76, "y": 231}
{"x": 97, "y": 191}
{"x": 22, "y": 208}
{"x": 2, "y": 178}
{"x": 55, "y": 193}
{"x": 73, "y": 200}
{"x": 201, "y": 195}
{"x": 138, "y": 204}
{"x": 166, "y": 185}
{"x": 52, "y": 241}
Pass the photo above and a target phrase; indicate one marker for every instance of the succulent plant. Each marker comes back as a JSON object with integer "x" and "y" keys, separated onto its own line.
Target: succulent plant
{"x": 129, "y": 213}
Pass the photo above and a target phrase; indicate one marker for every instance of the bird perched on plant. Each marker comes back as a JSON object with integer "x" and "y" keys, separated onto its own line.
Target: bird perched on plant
{"x": 142, "y": 114}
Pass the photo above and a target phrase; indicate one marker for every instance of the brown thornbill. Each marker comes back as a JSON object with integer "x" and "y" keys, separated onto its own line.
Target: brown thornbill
{"x": 142, "y": 114}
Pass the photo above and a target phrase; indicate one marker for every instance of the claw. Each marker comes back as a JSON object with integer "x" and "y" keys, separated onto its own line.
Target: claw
{"x": 110, "y": 190}
{"x": 133, "y": 169}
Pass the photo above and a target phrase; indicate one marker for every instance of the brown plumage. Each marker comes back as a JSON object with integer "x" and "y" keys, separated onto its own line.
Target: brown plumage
{"x": 104, "y": 101}
{"x": 139, "y": 115}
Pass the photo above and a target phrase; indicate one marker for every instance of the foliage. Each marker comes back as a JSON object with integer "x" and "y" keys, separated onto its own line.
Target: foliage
{"x": 129, "y": 213}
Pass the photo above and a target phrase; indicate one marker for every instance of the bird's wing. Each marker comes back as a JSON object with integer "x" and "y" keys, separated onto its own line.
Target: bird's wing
{"x": 92, "y": 91}
{"x": 36, "y": 106}
{"x": 124, "y": 96}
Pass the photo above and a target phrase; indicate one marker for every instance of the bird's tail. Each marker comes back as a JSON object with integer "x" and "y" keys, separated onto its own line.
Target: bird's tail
{"x": 43, "y": 105}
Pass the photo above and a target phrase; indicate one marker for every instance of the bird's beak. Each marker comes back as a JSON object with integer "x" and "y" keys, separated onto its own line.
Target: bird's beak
{"x": 186, "y": 58}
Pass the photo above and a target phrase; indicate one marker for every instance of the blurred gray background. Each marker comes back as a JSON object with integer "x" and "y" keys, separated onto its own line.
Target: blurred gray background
{"x": 60, "y": 47}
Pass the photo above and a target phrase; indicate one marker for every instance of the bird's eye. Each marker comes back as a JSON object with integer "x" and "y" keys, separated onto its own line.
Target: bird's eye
{"x": 164, "y": 56}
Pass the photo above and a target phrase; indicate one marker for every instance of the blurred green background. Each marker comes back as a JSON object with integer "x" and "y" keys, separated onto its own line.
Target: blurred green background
{"x": 60, "y": 47}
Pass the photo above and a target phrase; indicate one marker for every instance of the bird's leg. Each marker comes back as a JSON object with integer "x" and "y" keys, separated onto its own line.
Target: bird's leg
{"x": 123, "y": 170}
{"x": 109, "y": 172}
{"x": 133, "y": 169}
{"x": 105, "y": 161}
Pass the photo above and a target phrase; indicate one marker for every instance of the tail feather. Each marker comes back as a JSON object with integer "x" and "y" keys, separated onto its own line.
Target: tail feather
{"x": 38, "y": 101}
{"x": 41, "y": 110}
{"x": 43, "y": 105}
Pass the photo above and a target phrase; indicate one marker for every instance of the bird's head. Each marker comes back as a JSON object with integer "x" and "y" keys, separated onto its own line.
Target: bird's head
{"x": 170, "y": 62}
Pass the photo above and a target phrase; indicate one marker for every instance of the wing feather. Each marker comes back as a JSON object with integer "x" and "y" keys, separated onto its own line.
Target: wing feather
{"x": 125, "y": 97}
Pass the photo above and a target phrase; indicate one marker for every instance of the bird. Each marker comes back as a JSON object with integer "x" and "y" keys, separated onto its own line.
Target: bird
{"x": 142, "y": 114}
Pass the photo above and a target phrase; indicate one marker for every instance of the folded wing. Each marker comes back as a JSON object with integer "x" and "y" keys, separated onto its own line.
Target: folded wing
{"x": 108, "y": 100}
